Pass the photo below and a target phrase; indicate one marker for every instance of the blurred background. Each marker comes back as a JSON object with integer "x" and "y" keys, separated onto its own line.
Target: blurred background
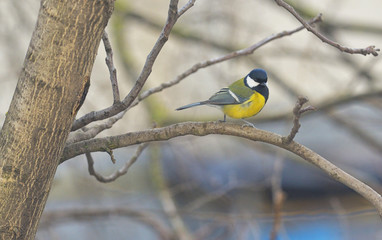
{"x": 220, "y": 187}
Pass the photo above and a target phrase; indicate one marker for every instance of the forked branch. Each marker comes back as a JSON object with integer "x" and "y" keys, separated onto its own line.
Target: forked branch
{"x": 119, "y": 172}
{"x": 298, "y": 110}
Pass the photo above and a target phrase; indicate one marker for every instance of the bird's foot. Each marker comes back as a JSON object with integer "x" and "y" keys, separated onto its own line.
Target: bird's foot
{"x": 249, "y": 124}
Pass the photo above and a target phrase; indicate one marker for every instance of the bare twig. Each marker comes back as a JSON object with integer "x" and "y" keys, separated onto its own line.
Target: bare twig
{"x": 91, "y": 132}
{"x": 118, "y": 173}
{"x": 111, "y": 154}
{"x": 147, "y": 68}
{"x": 206, "y": 128}
{"x": 110, "y": 65}
{"x": 354, "y": 25}
{"x": 145, "y": 73}
{"x": 297, "y": 112}
{"x": 187, "y": 6}
{"x": 234, "y": 54}
{"x": 364, "y": 51}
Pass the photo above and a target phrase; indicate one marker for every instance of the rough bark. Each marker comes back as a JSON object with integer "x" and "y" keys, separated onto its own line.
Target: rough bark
{"x": 50, "y": 88}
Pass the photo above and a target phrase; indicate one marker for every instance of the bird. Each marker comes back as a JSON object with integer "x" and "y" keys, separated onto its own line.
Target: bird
{"x": 244, "y": 98}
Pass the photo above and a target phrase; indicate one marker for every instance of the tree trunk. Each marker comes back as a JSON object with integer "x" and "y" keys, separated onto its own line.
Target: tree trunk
{"x": 54, "y": 77}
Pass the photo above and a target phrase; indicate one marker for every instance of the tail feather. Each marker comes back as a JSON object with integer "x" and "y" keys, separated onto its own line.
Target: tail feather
{"x": 190, "y": 105}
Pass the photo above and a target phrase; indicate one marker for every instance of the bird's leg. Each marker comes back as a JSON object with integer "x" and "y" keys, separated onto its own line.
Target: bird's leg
{"x": 223, "y": 119}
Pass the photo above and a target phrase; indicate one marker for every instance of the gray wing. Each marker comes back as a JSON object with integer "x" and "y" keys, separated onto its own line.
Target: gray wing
{"x": 225, "y": 97}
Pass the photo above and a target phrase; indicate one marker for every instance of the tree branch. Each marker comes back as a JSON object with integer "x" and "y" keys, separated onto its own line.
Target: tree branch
{"x": 206, "y": 128}
{"x": 187, "y": 6}
{"x": 110, "y": 65}
{"x": 118, "y": 173}
{"x": 297, "y": 112}
{"x": 145, "y": 73}
{"x": 91, "y": 132}
{"x": 118, "y": 107}
{"x": 364, "y": 51}
{"x": 242, "y": 52}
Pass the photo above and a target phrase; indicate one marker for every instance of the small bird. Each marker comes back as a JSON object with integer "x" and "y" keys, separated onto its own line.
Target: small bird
{"x": 242, "y": 99}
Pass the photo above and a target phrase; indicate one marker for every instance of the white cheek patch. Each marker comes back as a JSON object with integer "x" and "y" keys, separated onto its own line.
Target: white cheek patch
{"x": 250, "y": 82}
{"x": 233, "y": 95}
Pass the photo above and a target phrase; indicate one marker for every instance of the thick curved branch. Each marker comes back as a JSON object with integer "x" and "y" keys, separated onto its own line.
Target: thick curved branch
{"x": 206, "y": 128}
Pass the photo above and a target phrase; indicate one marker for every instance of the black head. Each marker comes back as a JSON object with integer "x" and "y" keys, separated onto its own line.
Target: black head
{"x": 257, "y": 80}
{"x": 255, "y": 77}
{"x": 258, "y": 75}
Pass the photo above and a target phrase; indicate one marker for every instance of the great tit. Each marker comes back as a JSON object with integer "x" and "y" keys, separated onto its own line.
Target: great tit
{"x": 242, "y": 99}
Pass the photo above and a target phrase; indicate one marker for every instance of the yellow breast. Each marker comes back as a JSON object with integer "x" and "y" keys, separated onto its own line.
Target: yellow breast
{"x": 247, "y": 109}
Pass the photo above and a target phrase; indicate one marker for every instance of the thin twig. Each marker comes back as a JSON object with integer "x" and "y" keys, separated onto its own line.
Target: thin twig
{"x": 110, "y": 65}
{"x": 119, "y": 172}
{"x": 111, "y": 154}
{"x": 91, "y": 132}
{"x": 145, "y": 73}
{"x": 297, "y": 112}
{"x": 234, "y": 54}
{"x": 364, "y": 51}
{"x": 187, "y": 6}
